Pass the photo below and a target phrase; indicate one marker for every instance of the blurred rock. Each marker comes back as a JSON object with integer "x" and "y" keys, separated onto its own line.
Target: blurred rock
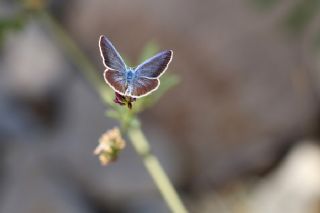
{"x": 30, "y": 186}
{"x": 34, "y": 74}
{"x": 295, "y": 186}
{"x": 14, "y": 118}
{"x": 32, "y": 63}
{"x": 147, "y": 204}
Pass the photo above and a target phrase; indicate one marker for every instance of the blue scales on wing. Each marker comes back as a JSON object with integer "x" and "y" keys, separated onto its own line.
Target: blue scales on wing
{"x": 147, "y": 74}
{"x": 155, "y": 66}
{"x": 111, "y": 58}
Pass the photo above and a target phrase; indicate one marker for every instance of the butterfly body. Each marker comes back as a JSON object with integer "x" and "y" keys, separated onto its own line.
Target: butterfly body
{"x": 132, "y": 82}
{"x": 130, "y": 74}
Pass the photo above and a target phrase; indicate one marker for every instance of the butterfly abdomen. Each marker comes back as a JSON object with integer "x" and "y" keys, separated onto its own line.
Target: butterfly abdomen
{"x": 129, "y": 79}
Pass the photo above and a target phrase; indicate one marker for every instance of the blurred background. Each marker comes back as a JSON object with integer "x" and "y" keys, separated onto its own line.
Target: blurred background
{"x": 239, "y": 133}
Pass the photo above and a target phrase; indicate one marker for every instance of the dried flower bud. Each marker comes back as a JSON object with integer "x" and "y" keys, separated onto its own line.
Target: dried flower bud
{"x": 124, "y": 100}
{"x": 110, "y": 144}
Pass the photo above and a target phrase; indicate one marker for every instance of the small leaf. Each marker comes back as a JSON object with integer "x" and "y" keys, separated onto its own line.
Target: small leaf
{"x": 167, "y": 82}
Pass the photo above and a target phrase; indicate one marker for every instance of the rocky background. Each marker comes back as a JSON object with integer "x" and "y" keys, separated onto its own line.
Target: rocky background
{"x": 240, "y": 133}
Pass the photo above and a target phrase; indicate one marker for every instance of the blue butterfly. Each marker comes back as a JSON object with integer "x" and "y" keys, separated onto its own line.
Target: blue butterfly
{"x": 132, "y": 82}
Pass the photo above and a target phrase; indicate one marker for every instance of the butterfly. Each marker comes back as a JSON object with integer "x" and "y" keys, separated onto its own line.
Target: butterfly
{"x": 132, "y": 82}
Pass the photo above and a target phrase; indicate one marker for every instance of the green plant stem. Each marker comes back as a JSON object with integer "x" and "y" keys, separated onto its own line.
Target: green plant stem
{"x": 155, "y": 169}
{"x": 79, "y": 58}
{"x": 139, "y": 142}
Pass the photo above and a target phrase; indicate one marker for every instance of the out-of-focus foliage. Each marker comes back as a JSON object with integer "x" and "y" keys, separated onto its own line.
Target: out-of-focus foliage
{"x": 13, "y": 23}
{"x": 22, "y": 12}
{"x": 298, "y": 17}
{"x": 317, "y": 42}
{"x": 264, "y": 4}
{"x": 302, "y": 14}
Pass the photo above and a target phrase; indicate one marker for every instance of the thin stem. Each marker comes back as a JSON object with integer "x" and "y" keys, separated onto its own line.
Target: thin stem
{"x": 139, "y": 142}
{"x": 142, "y": 147}
{"x": 79, "y": 58}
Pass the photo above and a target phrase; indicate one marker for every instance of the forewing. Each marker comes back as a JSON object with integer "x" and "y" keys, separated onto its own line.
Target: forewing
{"x": 111, "y": 58}
{"x": 155, "y": 66}
{"x": 116, "y": 80}
{"x": 142, "y": 86}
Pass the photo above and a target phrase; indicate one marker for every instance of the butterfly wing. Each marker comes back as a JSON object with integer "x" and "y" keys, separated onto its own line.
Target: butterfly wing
{"x": 115, "y": 74}
{"x": 116, "y": 80}
{"x": 146, "y": 75}
{"x": 111, "y": 58}
{"x": 155, "y": 66}
{"x": 142, "y": 86}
